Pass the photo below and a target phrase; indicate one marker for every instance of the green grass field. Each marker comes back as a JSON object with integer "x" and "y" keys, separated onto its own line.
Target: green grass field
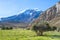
{"x": 20, "y": 34}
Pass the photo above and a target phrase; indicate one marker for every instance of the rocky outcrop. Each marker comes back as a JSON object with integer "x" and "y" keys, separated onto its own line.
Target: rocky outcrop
{"x": 51, "y": 13}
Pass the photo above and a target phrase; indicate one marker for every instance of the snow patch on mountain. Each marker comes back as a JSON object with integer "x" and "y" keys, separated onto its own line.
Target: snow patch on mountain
{"x": 30, "y": 13}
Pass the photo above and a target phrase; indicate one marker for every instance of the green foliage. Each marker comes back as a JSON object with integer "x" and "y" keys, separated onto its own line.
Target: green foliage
{"x": 43, "y": 27}
{"x": 7, "y": 28}
{"x": 20, "y": 34}
{"x": 54, "y": 27}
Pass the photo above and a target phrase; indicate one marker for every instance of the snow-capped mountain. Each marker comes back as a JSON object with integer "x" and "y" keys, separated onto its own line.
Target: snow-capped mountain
{"x": 26, "y": 16}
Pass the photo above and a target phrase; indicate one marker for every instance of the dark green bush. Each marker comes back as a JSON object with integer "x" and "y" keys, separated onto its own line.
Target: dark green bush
{"x": 42, "y": 27}
{"x": 7, "y": 28}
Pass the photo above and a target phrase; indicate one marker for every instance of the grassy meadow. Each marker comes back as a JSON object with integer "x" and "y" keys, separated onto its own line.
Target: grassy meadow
{"x": 22, "y": 34}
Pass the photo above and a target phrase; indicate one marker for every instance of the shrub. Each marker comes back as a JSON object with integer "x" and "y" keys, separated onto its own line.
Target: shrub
{"x": 11, "y": 27}
{"x": 42, "y": 27}
{"x": 3, "y": 27}
{"x": 7, "y": 28}
{"x": 54, "y": 28}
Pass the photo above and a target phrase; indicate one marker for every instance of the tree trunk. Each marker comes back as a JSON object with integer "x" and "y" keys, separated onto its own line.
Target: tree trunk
{"x": 41, "y": 33}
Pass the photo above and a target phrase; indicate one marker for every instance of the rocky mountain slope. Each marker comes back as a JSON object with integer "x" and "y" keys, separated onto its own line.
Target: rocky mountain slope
{"x": 52, "y": 15}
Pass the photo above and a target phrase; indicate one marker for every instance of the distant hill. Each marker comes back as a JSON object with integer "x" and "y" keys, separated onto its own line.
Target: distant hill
{"x": 25, "y": 17}
{"x": 55, "y": 22}
{"x": 21, "y": 20}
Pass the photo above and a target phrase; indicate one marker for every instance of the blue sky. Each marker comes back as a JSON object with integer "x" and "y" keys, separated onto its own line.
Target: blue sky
{"x": 14, "y": 7}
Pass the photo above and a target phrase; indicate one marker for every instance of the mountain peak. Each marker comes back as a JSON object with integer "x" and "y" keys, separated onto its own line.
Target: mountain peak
{"x": 25, "y": 16}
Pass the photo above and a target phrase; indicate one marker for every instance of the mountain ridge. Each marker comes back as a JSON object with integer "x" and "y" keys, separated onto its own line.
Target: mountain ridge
{"x": 21, "y": 20}
{"x": 52, "y": 15}
{"x": 32, "y": 14}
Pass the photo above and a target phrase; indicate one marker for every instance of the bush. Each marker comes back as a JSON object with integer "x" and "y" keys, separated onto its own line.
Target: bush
{"x": 11, "y": 27}
{"x": 42, "y": 27}
{"x": 54, "y": 28}
{"x": 7, "y": 28}
{"x": 3, "y": 28}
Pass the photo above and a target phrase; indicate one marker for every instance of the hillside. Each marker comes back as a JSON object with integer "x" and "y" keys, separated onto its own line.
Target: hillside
{"x": 52, "y": 15}
{"x": 55, "y": 22}
{"x": 24, "y": 17}
{"x": 21, "y": 20}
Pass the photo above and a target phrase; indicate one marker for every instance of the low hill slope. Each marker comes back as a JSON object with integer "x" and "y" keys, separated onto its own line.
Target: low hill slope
{"x": 55, "y": 22}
